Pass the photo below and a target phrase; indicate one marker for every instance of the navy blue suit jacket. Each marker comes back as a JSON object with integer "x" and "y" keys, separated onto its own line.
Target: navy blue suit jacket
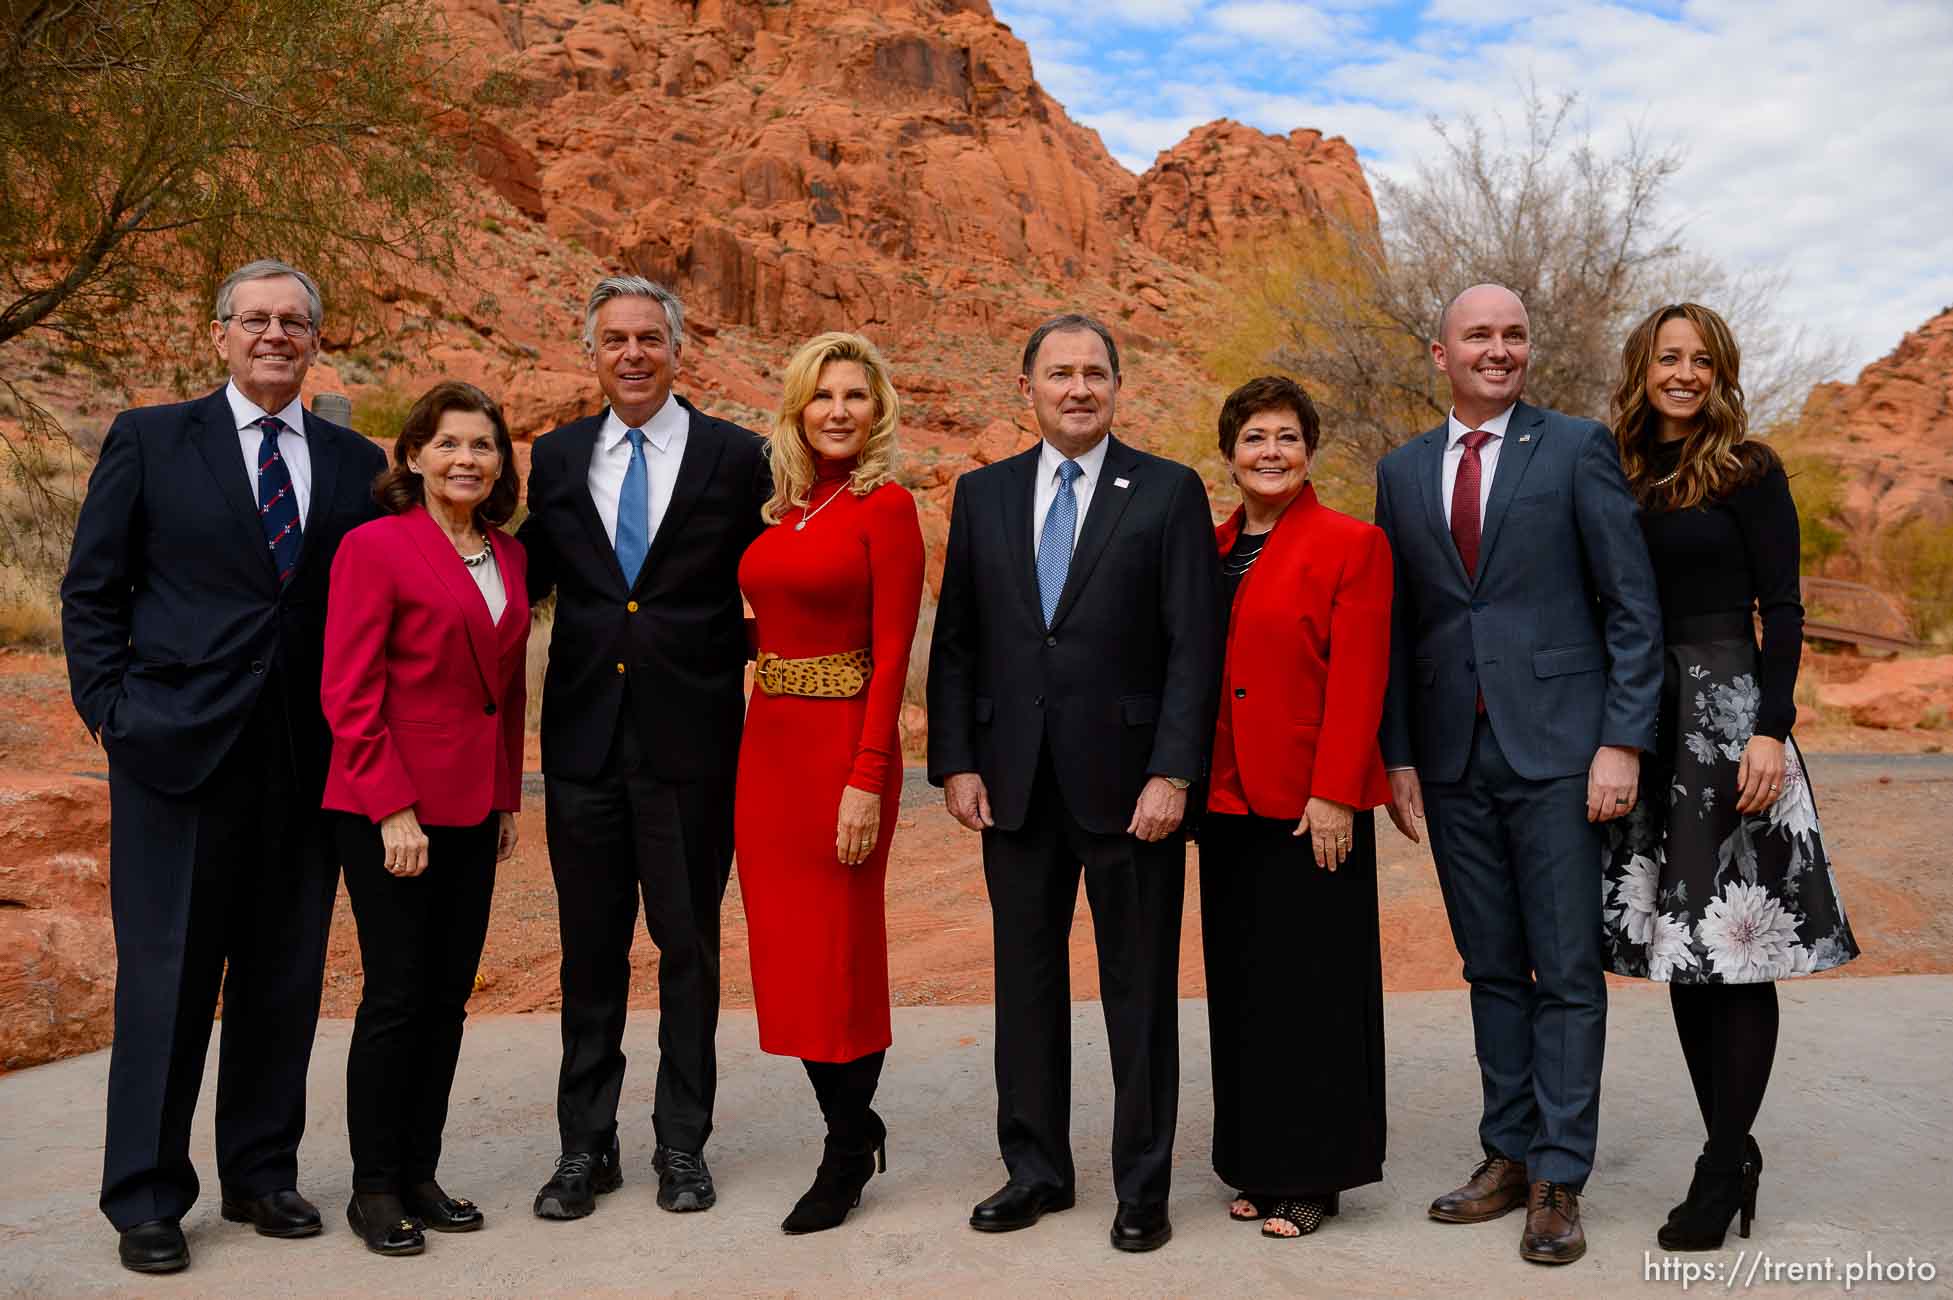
{"x": 171, "y": 611}
{"x": 1561, "y": 630}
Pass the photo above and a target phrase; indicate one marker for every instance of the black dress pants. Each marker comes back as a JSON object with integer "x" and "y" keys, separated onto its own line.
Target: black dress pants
{"x": 229, "y": 886}
{"x": 420, "y": 942}
{"x": 1135, "y": 890}
{"x": 630, "y": 834}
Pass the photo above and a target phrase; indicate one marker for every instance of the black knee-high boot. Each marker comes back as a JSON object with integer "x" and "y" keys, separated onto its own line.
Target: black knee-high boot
{"x": 856, "y": 1144}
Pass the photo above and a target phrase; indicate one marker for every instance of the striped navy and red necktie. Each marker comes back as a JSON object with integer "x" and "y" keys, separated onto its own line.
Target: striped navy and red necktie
{"x": 277, "y": 501}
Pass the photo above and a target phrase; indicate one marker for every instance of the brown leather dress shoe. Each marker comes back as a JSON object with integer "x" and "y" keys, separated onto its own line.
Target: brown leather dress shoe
{"x": 1496, "y": 1187}
{"x": 1553, "y": 1231}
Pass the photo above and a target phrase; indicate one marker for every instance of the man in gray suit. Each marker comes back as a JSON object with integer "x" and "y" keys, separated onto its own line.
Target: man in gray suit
{"x": 1525, "y": 667}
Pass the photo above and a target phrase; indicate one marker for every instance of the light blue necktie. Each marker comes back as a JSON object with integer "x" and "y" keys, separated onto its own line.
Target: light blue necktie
{"x": 634, "y": 512}
{"x": 1054, "y": 543}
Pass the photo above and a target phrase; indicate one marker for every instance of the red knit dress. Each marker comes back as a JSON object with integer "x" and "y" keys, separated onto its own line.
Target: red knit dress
{"x": 816, "y": 928}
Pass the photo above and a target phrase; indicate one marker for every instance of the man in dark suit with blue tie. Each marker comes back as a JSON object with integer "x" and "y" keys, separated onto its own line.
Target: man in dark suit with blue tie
{"x": 1072, "y": 674}
{"x": 193, "y": 613}
{"x": 637, "y": 519}
{"x": 1525, "y": 663}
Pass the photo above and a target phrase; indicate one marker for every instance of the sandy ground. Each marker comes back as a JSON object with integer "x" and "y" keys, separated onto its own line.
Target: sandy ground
{"x": 1855, "y": 1134}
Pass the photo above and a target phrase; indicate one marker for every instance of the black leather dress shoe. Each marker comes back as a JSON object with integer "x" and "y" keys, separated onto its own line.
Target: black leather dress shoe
{"x": 155, "y": 1246}
{"x": 1015, "y": 1206}
{"x": 684, "y": 1183}
{"x": 438, "y": 1211}
{"x": 1141, "y": 1227}
{"x": 382, "y": 1223}
{"x": 580, "y": 1177}
{"x": 283, "y": 1213}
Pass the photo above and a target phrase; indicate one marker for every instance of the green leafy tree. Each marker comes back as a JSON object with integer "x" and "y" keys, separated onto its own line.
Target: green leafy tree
{"x": 147, "y": 147}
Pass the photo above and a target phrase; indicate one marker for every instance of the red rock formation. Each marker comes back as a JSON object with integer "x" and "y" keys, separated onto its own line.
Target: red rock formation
{"x": 57, "y": 948}
{"x": 1891, "y": 432}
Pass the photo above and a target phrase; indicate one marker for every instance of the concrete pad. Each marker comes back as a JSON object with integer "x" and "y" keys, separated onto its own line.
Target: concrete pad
{"x": 1855, "y": 1134}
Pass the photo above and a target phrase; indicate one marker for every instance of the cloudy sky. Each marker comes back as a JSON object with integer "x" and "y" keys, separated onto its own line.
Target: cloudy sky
{"x": 1815, "y": 136}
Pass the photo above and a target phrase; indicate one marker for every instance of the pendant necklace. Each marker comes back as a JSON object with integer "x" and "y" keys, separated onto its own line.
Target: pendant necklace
{"x": 806, "y": 514}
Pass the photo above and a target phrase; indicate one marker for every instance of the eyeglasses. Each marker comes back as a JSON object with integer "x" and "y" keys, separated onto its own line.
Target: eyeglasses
{"x": 257, "y": 322}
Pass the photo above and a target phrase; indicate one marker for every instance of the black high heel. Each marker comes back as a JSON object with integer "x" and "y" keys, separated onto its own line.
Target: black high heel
{"x": 1718, "y": 1195}
{"x": 844, "y": 1171}
{"x": 1751, "y": 1152}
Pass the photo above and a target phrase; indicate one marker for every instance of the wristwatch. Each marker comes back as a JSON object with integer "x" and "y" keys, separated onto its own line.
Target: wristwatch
{"x": 1177, "y": 782}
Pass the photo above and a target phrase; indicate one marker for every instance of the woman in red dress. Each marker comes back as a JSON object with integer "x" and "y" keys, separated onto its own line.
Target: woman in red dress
{"x": 835, "y": 585}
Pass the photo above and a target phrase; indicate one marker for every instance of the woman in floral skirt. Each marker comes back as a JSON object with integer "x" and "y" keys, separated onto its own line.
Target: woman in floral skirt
{"x": 1718, "y": 882}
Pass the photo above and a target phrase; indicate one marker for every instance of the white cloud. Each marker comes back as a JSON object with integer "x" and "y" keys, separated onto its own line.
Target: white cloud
{"x": 1812, "y": 136}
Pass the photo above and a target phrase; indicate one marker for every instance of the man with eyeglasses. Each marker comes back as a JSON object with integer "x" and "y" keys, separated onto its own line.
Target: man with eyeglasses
{"x": 193, "y": 614}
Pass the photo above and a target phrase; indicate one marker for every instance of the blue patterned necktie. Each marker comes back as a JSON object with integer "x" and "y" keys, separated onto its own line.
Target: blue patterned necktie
{"x": 634, "y": 512}
{"x": 277, "y": 502}
{"x": 1054, "y": 543}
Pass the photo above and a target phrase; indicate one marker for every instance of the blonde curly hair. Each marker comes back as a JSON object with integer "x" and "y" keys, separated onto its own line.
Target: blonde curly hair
{"x": 787, "y": 450}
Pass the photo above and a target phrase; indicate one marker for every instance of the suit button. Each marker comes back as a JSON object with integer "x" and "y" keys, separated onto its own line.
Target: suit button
{"x": 620, "y": 667}
{"x": 1471, "y": 666}
{"x": 1039, "y": 701}
{"x": 1051, "y": 640}
{"x": 489, "y": 709}
{"x": 631, "y": 606}
{"x": 257, "y": 665}
{"x": 1240, "y": 692}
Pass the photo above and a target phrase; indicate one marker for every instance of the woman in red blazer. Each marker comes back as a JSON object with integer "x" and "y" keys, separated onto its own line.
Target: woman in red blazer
{"x": 1288, "y": 871}
{"x": 427, "y": 627}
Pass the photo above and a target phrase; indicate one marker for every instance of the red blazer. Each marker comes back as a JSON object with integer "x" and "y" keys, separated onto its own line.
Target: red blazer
{"x": 1308, "y": 655}
{"x": 424, "y": 695}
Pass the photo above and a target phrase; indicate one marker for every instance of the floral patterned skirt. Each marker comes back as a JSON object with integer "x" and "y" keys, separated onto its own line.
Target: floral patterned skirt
{"x": 1693, "y": 892}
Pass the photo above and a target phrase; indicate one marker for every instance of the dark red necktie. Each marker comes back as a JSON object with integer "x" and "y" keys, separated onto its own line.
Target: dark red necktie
{"x": 1464, "y": 501}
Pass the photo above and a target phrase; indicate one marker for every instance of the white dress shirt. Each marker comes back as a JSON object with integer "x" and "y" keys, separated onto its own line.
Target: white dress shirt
{"x": 664, "y": 446}
{"x": 292, "y": 447}
{"x": 489, "y": 578}
{"x": 1488, "y": 459}
{"x": 1049, "y": 458}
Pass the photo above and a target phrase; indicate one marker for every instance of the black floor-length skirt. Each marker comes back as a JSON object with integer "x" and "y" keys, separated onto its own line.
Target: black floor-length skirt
{"x": 1294, "y": 1007}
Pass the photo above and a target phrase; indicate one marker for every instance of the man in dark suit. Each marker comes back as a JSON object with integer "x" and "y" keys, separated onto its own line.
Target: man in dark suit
{"x": 637, "y": 519}
{"x": 193, "y": 612}
{"x": 1071, "y": 702}
{"x": 1525, "y": 663}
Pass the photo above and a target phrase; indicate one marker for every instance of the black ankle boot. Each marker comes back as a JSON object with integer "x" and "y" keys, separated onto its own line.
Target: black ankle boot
{"x": 1751, "y": 1153}
{"x": 847, "y": 1163}
{"x": 1717, "y": 1195}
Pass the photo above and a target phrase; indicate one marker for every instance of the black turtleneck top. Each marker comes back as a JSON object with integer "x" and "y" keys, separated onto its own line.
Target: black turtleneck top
{"x": 1737, "y": 553}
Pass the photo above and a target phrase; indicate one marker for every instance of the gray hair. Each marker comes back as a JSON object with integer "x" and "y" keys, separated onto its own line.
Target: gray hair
{"x": 266, "y": 268}
{"x": 1065, "y": 324}
{"x": 633, "y": 286}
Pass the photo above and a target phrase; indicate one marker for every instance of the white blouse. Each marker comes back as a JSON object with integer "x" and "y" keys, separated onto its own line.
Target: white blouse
{"x": 489, "y": 579}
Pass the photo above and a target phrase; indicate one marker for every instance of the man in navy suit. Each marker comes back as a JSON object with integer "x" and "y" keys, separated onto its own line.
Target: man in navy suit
{"x": 1072, "y": 683}
{"x": 637, "y": 519}
{"x": 193, "y": 612}
{"x": 1525, "y": 664}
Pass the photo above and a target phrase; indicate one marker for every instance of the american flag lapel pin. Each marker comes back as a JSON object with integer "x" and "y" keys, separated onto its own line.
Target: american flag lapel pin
{"x": 1120, "y": 482}
{"x": 1525, "y": 437}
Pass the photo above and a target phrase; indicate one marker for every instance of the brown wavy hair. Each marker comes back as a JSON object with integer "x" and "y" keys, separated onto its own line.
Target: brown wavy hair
{"x": 792, "y": 460}
{"x": 1717, "y": 455}
{"x": 398, "y": 489}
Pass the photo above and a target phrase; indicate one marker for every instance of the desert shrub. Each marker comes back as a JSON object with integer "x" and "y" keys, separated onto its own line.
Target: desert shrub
{"x": 1815, "y": 487}
{"x": 381, "y": 412}
{"x": 1918, "y": 561}
{"x": 915, "y": 690}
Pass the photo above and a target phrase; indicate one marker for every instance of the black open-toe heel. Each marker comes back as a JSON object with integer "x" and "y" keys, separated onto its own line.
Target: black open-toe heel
{"x": 1260, "y": 1206}
{"x": 1303, "y": 1213}
{"x": 383, "y": 1224}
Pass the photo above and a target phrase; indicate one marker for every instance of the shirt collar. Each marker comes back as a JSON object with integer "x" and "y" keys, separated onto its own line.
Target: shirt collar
{"x": 246, "y": 413}
{"x": 1494, "y": 426}
{"x": 666, "y": 423}
{"x": 1090, "y": 462}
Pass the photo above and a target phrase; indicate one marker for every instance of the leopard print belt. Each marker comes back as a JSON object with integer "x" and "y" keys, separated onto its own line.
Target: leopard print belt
{"x": 825, "y": 677}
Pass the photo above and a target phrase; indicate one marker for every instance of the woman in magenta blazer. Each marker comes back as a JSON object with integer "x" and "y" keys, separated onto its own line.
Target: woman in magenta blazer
{"x": 427, "y": 627}
{"x": 1288, "y": 868}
